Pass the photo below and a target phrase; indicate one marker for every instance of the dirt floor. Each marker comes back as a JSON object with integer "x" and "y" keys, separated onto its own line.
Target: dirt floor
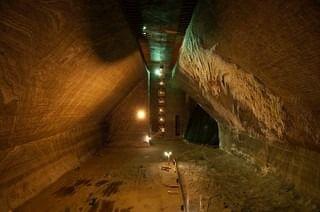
{"x": 138, "y": 180}
{"x": 115, "y": 179}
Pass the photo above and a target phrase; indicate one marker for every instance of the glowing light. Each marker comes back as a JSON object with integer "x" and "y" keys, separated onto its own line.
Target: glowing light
{"x": 161, "y": 119}
{"x": 144, "y": 28}
{"x": 147, "y": 139}
{"x": 162, "y": 129}
{"x": 168, "y": 154}
{"x": 158, "y": 72}
{"x": 161, "y": 101}
{"x": 160, "y": 110}
{"x": 161, "y": 83}
{"x": 161, "y": 93}
{"x": 141, "y": 114}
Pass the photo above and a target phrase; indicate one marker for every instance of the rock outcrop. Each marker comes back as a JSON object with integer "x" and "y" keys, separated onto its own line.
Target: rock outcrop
{"x": 254, "y": 66}
{"x": 64, "y": 65}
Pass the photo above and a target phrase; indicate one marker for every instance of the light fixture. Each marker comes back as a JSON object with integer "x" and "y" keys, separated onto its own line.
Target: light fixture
{"x": 162, "y": 129}
{"x": 158, "y": 72}
{"x": 161, "y": 93}
{"x": 161, "y": 119}
{"x": 147, "y": 139}
{"x": 168, "y": 155}
{"x": 141, "y": 114}
{"x": 144, "y": 28}
{"x": 160, "y": 109}
{"x": 161, "y": 83}
{"x": 161, "y": 101}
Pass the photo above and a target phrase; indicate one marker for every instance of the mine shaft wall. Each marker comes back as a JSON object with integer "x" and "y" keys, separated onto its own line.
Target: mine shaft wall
{"x": 64, "y": 65}
{"x": 124, "y": 128}
{"x": 254, "y": 67}
{"x": 296, "y": 166}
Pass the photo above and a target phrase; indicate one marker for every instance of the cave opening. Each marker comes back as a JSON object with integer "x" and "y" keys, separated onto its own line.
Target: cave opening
{"x": 201, "y": 128}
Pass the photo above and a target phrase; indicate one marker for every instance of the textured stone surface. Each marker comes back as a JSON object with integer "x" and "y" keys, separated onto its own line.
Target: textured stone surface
{"x": 63, "y": 66}
{"x": 227, "y": 62}
{"x": 124, "y": 128}
{"x": 293, "y": 164}
{"x": 254, "y": 66}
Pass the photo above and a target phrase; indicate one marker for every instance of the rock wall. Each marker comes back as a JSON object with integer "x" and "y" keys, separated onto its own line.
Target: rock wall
{"x": 297, "y": 166}
{"x": 254, "y": 66}
{"x": 64, "y": 65}
{"x": 175, "y": 111}
{"x": 124, "y": 128}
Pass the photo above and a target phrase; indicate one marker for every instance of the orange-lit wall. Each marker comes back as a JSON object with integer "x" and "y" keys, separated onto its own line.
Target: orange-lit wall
{"x": 125, "y": 128}
{"x": 64, "y": 65}
{"x": 254, "y": 66}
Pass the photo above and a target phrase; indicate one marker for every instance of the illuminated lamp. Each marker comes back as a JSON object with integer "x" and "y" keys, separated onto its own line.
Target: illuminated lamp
{"x": 147, "y": 139}
{"x": 158, "y": 72}
{"x": 168, "y": 155}
{"x": 141, "y": 114}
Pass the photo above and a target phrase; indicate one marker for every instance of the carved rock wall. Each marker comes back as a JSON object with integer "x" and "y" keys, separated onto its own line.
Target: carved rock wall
{"x": 124, "y": 128}
{"x": 254, "y": 66}
{"x": 64, "y": 65}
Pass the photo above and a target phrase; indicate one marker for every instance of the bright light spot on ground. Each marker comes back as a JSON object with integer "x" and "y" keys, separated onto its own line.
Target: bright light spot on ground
{"x": 147, "y": 139}
{"x": 141, "y": 114}
{"x": 168, "y": 154}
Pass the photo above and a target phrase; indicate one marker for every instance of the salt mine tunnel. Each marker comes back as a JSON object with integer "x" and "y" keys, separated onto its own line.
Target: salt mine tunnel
{"x": 159, "y": 105}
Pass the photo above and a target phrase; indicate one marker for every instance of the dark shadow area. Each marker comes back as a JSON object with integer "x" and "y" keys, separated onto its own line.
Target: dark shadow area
{"x": 201, "y": 128}
{"x": 186, "y": 12}
{"x": 132, "y": 10}
{"x": 108, "y": 30}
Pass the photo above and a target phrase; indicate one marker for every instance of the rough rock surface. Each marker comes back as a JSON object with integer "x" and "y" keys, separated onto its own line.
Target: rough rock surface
{"x": 254, "y": 66}
{"x": 217, "y": 181}
{"x": 63, "y": 66}
{"x": 124, "y": 129}
{"x": 232, "y": 77}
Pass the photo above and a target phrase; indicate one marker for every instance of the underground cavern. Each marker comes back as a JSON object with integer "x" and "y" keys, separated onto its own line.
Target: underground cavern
{"x": 159, "y": 105}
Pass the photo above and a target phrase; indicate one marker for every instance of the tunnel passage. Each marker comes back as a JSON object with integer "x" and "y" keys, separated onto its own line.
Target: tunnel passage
{"x": 201, "y": 128}
{"x": 73, "y": 74}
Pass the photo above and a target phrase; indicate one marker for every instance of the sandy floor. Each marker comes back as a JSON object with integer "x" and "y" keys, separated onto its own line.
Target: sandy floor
{"x": 132, "y": 179}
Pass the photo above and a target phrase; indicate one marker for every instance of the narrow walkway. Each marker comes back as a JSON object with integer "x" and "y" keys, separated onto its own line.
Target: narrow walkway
{"x": 133, "y": 179}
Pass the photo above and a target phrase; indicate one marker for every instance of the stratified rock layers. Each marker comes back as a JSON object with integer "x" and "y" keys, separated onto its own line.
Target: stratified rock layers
{"x": 254, "y": 67}
{"x": 63, "y": 66}
{"x": 125, "y": 129}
